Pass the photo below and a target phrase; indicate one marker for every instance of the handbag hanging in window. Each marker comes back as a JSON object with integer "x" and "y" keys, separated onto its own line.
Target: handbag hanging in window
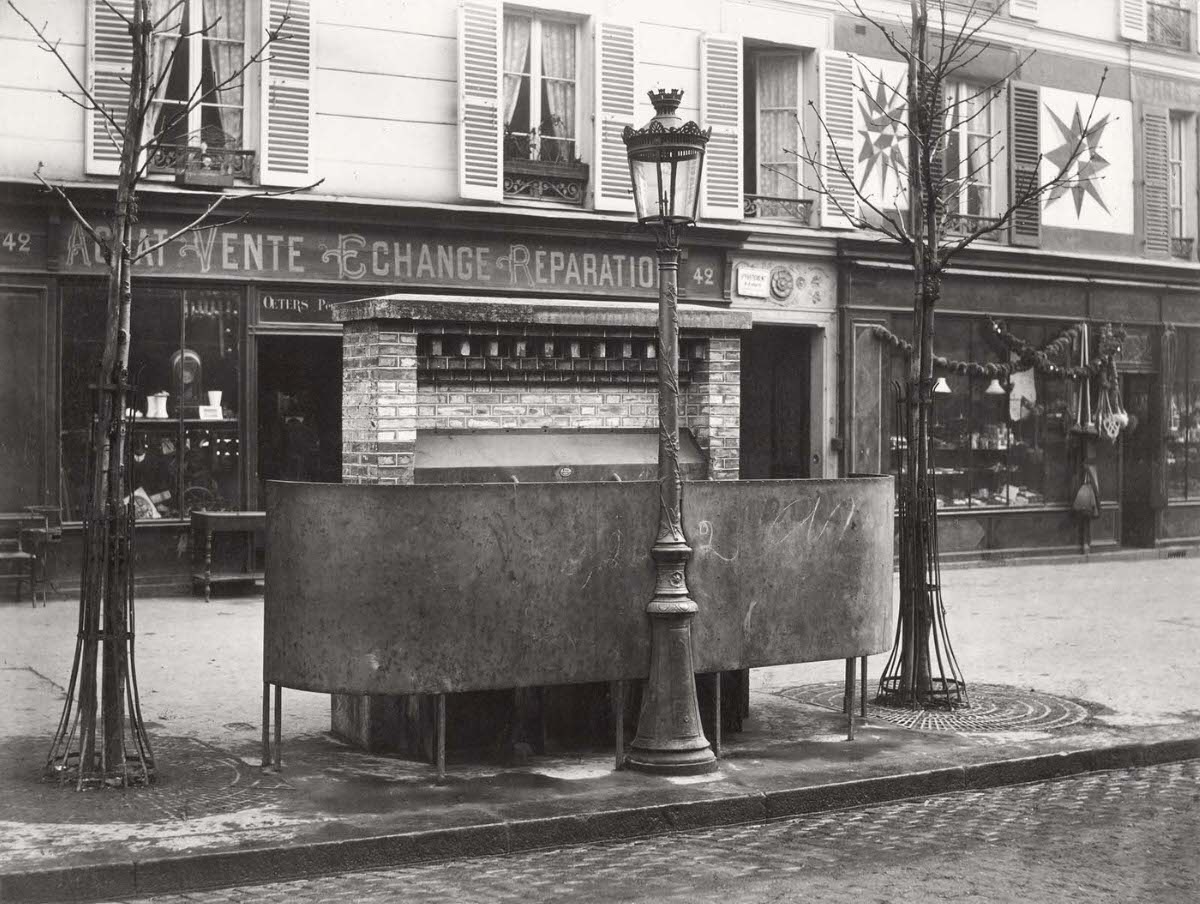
{"x": 1087, "y": 497}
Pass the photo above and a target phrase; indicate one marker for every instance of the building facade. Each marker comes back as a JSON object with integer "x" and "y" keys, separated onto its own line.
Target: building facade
{"x": 473, "y": 150}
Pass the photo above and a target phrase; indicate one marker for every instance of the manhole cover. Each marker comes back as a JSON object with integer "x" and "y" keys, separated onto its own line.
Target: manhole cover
{"x": 993, "y": 707}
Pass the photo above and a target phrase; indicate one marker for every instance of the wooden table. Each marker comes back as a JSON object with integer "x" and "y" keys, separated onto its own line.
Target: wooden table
{"x": 227, "y": 522}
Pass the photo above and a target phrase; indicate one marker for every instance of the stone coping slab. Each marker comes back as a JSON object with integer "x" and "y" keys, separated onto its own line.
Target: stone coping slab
{"x": 550, "y": 311}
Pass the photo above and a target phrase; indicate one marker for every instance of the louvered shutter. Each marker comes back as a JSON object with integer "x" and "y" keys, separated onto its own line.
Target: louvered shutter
{"x": 285, "y": 150}
{"x": 721, "y": 110}
{"x": 1156, "y": 177}
{"x": 1023, "y": 9}
{"x": 837, "y": 139}
{"x": 1133, "y": 19}
{"x": 616, "y": 105}
{"x": 1024, "y": 122}
{"x": 110, "y": 64}
{"x": 944, "y": 164}
{"x": 480, "y": 93}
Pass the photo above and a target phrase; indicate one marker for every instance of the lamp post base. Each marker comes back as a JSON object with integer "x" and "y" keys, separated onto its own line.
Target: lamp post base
{"x": 670, "y": 739}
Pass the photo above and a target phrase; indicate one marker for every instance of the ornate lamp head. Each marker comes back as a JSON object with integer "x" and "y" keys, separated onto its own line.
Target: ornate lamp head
{"x": 666, "y": 158}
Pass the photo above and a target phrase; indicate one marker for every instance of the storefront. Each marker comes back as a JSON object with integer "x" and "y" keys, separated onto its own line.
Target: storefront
{"x": 236, "y": 363}
{"x": 1008, "y": 460}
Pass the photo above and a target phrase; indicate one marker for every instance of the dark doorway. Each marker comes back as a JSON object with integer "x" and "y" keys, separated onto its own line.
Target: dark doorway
{"x": 299, "y": 408}
{"x": 1138, "y": 448}
{"x": 22, "y": 399}
{"x": 776, "y": 368}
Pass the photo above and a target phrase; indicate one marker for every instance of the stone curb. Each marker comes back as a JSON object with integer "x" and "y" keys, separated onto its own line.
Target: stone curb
{"x": 168, "y": 875}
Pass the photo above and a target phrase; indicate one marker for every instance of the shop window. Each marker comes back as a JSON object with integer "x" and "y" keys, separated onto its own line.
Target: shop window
{"x": 1183, "y": 419}
{"x": 774, "y": 102}
{"x": 997, "y": 449}
{"x": 540, "y": 108}
{"x": 184, "y": 367}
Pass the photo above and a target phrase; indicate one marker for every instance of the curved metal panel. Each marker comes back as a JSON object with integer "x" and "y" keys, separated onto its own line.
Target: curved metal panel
{"x": 429, "y": 589}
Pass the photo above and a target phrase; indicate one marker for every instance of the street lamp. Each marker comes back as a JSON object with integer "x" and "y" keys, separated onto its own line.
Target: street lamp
{"x": 665, "y": 160}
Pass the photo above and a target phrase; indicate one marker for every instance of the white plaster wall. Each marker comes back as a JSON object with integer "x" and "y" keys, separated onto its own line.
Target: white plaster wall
{"x": 36, "y": 123}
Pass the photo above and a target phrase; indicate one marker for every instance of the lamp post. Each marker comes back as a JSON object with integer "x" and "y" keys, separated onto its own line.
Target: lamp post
{"x": 665, "y": 161}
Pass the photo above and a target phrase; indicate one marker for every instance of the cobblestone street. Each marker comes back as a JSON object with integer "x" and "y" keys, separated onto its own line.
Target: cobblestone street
{"x": 1122, "y": 836}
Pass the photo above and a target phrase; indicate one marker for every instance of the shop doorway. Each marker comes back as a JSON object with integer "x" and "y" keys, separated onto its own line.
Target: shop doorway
{"x": 1138, "y": 449}
{"x": 775, "y": 403}
{"x": 299, "y": 409}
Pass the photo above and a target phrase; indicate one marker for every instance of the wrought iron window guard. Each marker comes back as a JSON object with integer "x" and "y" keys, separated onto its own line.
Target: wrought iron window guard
{"x": 545, "y": 181}
{"x": 1182, "y": 247}
{"x": 202, "y": 166}
{"x": 767, "y": 207}
{"x": 1168, "y": 25}
{"x": 962, "y": 223}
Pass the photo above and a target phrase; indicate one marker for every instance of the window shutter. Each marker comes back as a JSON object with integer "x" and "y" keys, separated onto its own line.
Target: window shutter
{"x": 837, "y": 139}
{"x": 1025, "y": 142}
{"x": 1023, "y": 9}
{"x": 1133, "y": 19}
{"x": 1156, "y": 177}
{"x": 721, "y": 110}
{"x": 110, "y": 65}
{"x": 285, "y": 155}
{"x": 944, "y": 164}
{"x": 480, "y": 125}
{"x": 616, "y": 105}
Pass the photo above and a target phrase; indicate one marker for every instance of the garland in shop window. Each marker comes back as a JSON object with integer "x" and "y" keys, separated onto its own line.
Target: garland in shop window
{"x": 1028, "y": 357}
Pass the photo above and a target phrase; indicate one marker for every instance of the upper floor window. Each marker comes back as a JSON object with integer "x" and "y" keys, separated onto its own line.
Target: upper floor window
{"x": 198, "y": 54}
{"x": 970, "y": 156}
{"x": 1181, "y": 168}
{"x": 1169, "y": 23}
{"x": 772, "y": 165}
{"x": 540, "y": 80}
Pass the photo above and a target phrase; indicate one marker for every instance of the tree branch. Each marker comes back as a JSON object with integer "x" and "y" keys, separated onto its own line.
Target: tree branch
{"x": 49, "y": 47}
{"x": 199, "y": 222}
{"x": 83, "y": 221}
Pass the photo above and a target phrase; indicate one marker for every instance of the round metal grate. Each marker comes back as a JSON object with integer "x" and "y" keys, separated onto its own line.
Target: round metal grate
{"x": 993, "y": 708}
{"x": 194, "y": 780}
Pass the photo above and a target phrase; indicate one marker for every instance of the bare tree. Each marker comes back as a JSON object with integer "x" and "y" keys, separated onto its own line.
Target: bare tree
{"x": 923, "y": 216}
{"x": 101, "y": 737}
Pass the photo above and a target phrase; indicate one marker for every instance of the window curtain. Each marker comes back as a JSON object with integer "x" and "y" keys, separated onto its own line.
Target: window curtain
{"x": 778, "y": 100}
{"x": 226, "y": 20}
{"x": 162, "y": 56}
{"x": 558, "y": 82}
{"x": 516, "y": 62}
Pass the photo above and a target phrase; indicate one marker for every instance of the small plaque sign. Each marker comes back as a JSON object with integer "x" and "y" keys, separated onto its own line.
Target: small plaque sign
{"x": 754, "y": 282}
{"x": 210, "y": 412}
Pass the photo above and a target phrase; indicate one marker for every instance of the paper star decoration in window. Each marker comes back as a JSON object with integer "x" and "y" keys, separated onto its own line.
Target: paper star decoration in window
{"x": 883, "y": 141}
{"x": 1079, "y": 174}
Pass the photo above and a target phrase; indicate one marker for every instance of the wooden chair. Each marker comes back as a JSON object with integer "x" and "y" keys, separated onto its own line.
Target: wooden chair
{"x": 19, "y": 549}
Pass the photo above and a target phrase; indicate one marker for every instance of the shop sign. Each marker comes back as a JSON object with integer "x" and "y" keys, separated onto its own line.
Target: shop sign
{"x": 283, "y": 306}
{"x": 411, "y": 259}
{"x": 753, "y": 282}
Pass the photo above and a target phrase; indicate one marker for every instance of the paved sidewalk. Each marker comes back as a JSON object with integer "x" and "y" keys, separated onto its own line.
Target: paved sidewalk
{"x": 1117, "y": 637}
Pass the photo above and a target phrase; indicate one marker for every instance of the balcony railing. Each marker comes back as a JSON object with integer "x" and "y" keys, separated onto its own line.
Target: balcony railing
{"x": 200, "y": 166}
{"x": 545, "y": 181}
{"x": 1168, "y": 25}
{"x": 962, "y": 223}
{"x": 766, "y": 207}
{"x": 1182, "y": 247}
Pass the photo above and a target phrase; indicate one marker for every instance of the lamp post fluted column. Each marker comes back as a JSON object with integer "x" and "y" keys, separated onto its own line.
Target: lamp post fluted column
{"x": 670, "y": 738}
{"x": 666, "y": 159}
